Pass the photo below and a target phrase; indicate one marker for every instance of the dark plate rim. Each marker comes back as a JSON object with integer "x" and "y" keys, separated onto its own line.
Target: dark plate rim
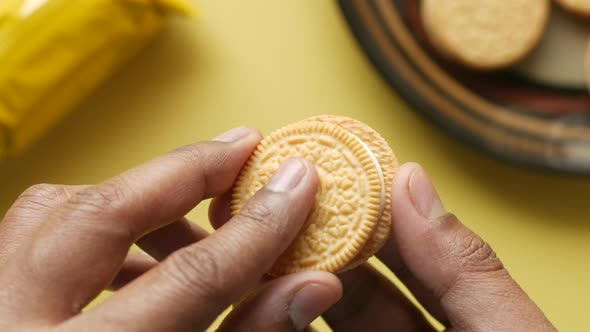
{"x": 429, "y": 111}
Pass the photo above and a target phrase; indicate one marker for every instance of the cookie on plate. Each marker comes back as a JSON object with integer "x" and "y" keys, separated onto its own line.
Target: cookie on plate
{"x": 485, "y": 34}
{"x": 350, "y": 219}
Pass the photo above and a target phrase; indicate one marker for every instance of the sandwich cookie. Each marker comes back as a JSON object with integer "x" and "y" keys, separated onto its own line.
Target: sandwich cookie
{"x": 350, "y": 218}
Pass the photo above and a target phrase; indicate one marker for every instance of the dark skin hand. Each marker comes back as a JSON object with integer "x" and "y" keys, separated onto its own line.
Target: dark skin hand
{"x": 60, "y": 246}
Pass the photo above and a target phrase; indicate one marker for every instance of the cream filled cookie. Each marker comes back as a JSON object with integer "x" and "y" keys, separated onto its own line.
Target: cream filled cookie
{"x": 350, "y": 219}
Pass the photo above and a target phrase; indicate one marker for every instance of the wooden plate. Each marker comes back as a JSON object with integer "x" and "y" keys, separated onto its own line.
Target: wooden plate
{"x": 514, "y": 115}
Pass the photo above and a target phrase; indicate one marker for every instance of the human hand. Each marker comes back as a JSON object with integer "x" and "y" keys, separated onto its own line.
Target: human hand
{"x": 60, "y": 246}
{"x": 451, "y": 271}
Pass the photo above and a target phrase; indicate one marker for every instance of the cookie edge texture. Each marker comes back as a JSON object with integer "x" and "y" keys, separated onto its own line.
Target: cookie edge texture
{"x": 337, "y": 263}
{"x": 383, "y": 229}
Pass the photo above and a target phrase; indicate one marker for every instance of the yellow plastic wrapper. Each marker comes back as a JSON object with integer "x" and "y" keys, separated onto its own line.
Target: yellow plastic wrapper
{"x": 54, "y": 53}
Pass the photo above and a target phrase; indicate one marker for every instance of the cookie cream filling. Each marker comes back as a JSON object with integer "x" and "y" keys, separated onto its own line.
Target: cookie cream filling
{"x": 379, "y": 173}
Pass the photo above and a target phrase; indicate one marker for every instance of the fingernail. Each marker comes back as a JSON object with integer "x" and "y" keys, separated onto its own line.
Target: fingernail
{"x": 423, "y": 195}
{"x": 309, "y": 303}
{"x": 234, "y": 135}
{"x": 287, "y": 176}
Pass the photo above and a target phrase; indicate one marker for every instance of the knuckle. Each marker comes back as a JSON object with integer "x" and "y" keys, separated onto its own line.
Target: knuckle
{"x": 191, "y": 153}
{"x": 196, "y": 269}
{"x": 260, "y": 214}
{"x": 196, "y": 157}
{"x": 468, "y": 250}
{"x": 98, "y": 210}
{"x": 40, "y": 197}
{"x": 42, "y": 190}
{"x": 465, "y": 258}
{"x": 99, "y": 200}
{"x": 477, "y": 256}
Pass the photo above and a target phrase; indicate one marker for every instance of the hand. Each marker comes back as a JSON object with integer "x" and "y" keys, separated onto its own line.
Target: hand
{"x": 61, "y": 245}
{"x": 452, "y": 272}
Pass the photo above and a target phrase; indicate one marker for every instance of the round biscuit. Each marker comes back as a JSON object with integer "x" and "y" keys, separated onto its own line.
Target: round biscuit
{"x": 485, "y": 34}
{"x": 348, "y": 203}
{"x": 389, "y": 165}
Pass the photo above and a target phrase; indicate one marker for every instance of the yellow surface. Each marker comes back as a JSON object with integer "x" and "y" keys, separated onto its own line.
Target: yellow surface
{"x": 268, "y": 63}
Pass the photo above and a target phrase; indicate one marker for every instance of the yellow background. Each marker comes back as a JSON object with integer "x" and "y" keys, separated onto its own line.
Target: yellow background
{"x": 268, "y": 63}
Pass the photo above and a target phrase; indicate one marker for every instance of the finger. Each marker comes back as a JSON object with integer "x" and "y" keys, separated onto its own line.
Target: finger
{"x": 220, "y": 209}
{"x": 136, "y": 263}
{"x": 195, "y": 284}
{"x": 389, "y": 254}
{"x": 220, "y": 213}
{"x": 372, "y": 303}
{"x": 286, "y": 304}
{"x": 380, "y": 295}
{"x": 103, "y": 221}
{"x": 28, "y": 212}
{"x": 166, "y": 240}
{"x": 35, "y": 203}
{"x": 455, "y": 265}
{"x": 372, "y": 298}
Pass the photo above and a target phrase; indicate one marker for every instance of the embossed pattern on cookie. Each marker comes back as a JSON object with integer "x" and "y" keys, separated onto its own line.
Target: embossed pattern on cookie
{"x": 388, "y": 164}
{"x": 349, "y": 202}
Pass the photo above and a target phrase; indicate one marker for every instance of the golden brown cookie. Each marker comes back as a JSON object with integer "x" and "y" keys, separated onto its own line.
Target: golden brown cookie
{"x": 389, "y": 165}
{"x": 578, "y": 7}
{"x": 485, "y": 34}
{"x": 350, "y": 219}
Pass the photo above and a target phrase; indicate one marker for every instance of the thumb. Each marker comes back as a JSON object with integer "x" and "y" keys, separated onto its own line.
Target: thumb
{"x": 458, "y": 268}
